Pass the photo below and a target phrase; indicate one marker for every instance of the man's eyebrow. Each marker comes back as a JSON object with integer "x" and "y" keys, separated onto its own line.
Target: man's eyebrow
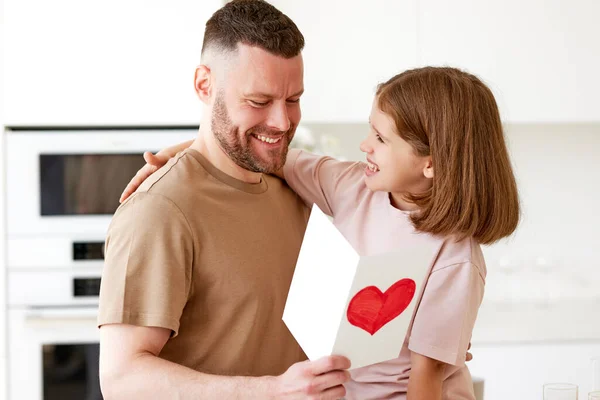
{"x": 258, "y": 94}
{"x": 270, "y": 96}
{"x": 298, "y": 93}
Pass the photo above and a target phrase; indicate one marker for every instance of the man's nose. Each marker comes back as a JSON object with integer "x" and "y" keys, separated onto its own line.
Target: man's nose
{"x": 279, "y": 118}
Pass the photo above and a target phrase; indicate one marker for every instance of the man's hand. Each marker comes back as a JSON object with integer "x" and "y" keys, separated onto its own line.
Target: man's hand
{"x": 321, "y": 379}
{"x": 153, "y": 163}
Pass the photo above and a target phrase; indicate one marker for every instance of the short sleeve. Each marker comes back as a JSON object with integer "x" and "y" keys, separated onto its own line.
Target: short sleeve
{"x": 447, "y": 312}
{"x": 320, "y": 180}
{"x": 148, "y": 262}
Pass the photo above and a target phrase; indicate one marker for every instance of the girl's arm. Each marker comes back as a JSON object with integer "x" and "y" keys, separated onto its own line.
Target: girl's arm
{"x": 153, "y": 163}
{"x": 322, "y": 180}
{"x": 426, "y": 378}
{"x": 443, "y": 324}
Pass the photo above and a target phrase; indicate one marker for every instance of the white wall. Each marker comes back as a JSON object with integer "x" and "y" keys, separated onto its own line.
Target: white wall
{"x": 558, "y": 173}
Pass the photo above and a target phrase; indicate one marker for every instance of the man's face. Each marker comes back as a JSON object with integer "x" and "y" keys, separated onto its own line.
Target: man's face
{"x": 256, "y": 108}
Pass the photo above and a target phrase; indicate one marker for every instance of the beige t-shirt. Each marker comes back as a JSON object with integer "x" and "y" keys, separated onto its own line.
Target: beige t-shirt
{"x": 210, "y": 258}
{"x": 445, "y": 317}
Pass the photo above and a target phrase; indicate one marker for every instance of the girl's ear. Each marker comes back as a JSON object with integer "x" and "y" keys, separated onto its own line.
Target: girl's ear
{"x": 428, "y": 168}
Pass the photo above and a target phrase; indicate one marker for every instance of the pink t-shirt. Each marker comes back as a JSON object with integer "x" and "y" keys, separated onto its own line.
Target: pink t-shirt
{"x": 445, "y": 317}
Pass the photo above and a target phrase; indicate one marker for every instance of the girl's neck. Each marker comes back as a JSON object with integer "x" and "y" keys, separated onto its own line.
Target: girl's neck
{"x": 398, "y": 200}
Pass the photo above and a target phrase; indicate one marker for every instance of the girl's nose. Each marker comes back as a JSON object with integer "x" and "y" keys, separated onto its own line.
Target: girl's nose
{"x": 364, "y": 146}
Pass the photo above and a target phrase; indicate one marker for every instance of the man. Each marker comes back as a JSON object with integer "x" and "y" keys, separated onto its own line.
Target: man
{"x": 200, "y": 259}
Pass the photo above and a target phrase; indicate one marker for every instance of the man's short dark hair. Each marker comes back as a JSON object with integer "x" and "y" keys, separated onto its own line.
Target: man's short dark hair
{"x": 254, "y": 23}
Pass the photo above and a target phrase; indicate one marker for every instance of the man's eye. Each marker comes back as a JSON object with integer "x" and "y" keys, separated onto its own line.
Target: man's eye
{"x": 258, "y": 103}
{"x": 294, "y": 100}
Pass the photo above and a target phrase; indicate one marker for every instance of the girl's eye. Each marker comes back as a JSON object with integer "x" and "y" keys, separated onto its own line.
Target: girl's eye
{"x": 379, "y": 138}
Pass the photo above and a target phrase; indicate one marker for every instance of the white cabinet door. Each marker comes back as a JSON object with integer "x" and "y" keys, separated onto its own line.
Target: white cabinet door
{"x": 351, "y": 46}
{"x": 111, "y": 62}
{"x": 541, "y": 57}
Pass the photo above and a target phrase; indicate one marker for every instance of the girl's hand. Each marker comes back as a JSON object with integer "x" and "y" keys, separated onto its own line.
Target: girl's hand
{"x": 153, "y": 163}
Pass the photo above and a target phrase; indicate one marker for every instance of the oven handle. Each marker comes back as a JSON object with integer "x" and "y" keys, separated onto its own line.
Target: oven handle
{"x": 46, "y": 313}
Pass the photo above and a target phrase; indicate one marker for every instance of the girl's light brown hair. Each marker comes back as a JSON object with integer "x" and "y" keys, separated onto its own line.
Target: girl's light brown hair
{"x": 453, "y": 117}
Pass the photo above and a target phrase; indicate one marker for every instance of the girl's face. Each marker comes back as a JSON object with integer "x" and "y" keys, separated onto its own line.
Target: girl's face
{"x": 392, "y": 165}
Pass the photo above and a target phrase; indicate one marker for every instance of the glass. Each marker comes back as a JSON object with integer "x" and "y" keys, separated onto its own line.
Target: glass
{"x": 85, "y": 184}
{"x": 71, "y": 371}
{"x": 596, "y": 374}
{"x": 594, "y": 396}
{"x": 560, "y": 391}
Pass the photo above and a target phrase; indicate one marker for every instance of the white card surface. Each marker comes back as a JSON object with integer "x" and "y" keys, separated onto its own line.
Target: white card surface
{"x": 359, "y": 307}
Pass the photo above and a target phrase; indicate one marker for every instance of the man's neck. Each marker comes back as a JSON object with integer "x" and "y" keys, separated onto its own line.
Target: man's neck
{"x": 206, "y": 145}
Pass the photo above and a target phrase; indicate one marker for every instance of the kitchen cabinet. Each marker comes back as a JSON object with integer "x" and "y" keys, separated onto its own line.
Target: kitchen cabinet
{"x": 351, "y": 46}
{"x": 111, "y": 62}
{"x": 131, "y": 63}
{"x": 519, "y": 370}
{"x": 540, "y": 57}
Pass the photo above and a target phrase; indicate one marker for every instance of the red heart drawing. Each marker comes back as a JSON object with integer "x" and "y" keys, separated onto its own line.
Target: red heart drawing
{"x": 370, "y": 309}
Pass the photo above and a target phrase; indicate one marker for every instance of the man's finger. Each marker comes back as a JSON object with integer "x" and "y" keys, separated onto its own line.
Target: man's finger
{"x": 330, "y": 379}
{"x": 330, "y": 363}
{"x": 334, "y": 393}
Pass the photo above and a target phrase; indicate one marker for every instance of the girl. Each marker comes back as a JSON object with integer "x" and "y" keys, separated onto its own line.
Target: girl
{"x": 437, "y": 170}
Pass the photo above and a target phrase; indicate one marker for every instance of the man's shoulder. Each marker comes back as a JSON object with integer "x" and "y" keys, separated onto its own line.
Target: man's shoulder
{"x": 179, "y": 174}
{"x": 148, "y": 210}
{"x": 166, "y": 193}
{"x": 281, "y": 191}
{"x": 276, "y": 184}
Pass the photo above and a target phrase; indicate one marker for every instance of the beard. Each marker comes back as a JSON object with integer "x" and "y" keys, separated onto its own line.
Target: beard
{"x": 238, "y": 146}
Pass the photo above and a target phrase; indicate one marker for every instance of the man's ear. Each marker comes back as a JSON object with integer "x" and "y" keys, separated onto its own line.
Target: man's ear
{"x": 428, "y": 168}
{"x": 203, "y": 84}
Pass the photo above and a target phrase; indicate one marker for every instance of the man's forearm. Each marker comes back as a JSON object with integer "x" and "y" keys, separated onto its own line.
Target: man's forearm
{"x": 150, "y": 377}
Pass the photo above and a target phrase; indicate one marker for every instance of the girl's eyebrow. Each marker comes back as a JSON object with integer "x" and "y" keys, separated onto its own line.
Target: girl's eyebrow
{"x": 375, "y": 129}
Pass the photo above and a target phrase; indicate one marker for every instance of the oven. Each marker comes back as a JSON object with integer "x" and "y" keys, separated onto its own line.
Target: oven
{"x": 62, "y": 190}
{"x": 64, "y": 183}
